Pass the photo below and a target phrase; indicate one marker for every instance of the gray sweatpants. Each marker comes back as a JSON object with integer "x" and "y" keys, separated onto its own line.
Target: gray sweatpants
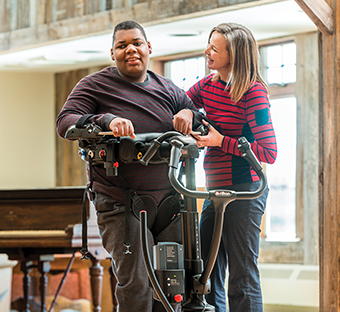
{"x": 133, "y": 291}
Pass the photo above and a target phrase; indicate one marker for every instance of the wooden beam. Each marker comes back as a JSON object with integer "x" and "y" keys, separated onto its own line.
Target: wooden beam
{"x": 319, "y": 12}
{"x": 52, "y": 27}
{"x": 329, "y": 166}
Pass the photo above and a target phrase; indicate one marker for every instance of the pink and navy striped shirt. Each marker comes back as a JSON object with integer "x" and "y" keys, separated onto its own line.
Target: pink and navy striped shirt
{"x": 249, "y": 117}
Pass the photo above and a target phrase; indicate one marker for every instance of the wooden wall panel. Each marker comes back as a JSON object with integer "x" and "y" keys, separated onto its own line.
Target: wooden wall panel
{"x": 23, "y": 14}
{"x": 117, "y": 3}
{"x": 92, "y": 6}
{"x": 78, "y": 7}
{"x": 71, "y": 170}
{"x": 63, "y": 9}
{"x": 3, "y": 17}
{"x": 40, "y": 8}
{"x": 54, "y": 20}
{"x": 50, "y": 11}
{"x": 12, "y": 11}
{"x": 108, "y": 4}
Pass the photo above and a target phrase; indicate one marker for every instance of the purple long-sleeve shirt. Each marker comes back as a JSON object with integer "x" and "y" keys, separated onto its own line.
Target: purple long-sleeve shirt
{"x": 149, "y": 105}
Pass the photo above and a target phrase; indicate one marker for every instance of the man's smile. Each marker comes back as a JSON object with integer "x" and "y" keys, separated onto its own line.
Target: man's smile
{"x": 132, "y": 59}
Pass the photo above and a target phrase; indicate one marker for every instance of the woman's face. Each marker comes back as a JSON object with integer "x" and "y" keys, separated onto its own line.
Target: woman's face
{"x": 217, "y": 55}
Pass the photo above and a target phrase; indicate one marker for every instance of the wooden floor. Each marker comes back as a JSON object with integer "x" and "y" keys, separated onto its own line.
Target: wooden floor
{"x": 267, "y": 308}
{"x": 276, "y": 308}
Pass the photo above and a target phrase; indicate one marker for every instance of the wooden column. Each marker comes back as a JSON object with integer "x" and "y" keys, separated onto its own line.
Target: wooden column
{"x": 307, "y": 96}
{"x": 326, "y": 16}
{"x": 329, "y": 170}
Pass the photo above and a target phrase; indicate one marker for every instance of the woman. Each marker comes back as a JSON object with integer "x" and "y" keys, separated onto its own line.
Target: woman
{"x": 236, "y": 99}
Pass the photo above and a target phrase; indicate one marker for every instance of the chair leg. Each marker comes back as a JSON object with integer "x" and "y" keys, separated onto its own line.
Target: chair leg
{"x": 43, "y": 268}
{"x": 96, "y": 273}
{"x": 26, "y": 267}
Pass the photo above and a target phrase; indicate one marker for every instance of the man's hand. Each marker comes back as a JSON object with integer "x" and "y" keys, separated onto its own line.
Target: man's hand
{"x": 182, "y": 121}
{"x": 122, "y": 127}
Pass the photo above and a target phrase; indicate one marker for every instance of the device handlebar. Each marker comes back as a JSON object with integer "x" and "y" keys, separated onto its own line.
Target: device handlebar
{"x": 247, "y": 153}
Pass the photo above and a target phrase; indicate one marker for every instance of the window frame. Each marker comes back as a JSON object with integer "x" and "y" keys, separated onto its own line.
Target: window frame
{"x": 280, "y": 91}
{"x": 303, "y": 250}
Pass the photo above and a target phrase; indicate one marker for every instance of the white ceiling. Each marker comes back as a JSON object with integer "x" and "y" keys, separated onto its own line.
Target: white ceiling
{"x": 274, "y": 20}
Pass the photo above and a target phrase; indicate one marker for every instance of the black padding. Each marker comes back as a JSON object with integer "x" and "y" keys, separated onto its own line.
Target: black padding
{"x": 147, "y": 203}
{"x": 197, "y": 121}
{"x": 167, "y": 210}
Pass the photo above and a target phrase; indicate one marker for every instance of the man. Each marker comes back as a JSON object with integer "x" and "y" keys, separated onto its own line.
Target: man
{"x": 129, "y": 99}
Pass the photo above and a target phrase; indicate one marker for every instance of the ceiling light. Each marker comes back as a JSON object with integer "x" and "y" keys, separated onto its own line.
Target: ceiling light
{"x": 186, "y": 34}
{"x": 89, "y": 51}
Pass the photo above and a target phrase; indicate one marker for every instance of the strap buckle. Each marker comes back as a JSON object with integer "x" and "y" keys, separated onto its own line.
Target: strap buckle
{"x": 84, "y": 253}
{"x": 127, "y": 251}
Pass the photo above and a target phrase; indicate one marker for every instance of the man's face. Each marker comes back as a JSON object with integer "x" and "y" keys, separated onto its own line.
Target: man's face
{"x": 131, "y": 53}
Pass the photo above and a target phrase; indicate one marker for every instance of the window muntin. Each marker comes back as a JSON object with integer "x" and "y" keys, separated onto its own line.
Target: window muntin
{"x": 280, "y": 63}
{"x": 185, "y": 73}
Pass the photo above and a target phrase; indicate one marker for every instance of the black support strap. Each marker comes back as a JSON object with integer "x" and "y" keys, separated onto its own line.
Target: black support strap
{"x": 127, "y": 221}
{"x": 82, "y": 120}
{"x": 84, "y": 250}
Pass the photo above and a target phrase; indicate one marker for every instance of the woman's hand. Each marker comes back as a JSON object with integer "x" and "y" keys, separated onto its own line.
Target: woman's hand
{"x": 213, "y": 138}
{"x": 122, "y": 127}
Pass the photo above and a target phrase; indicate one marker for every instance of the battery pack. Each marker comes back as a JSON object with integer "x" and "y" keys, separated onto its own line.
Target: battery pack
{"x": 169, "y": 269}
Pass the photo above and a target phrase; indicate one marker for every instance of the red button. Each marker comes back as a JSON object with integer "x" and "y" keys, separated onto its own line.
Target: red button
{"x": 178, "y": 298}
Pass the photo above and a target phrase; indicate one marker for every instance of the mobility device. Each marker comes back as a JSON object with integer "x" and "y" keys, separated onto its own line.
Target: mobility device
{"x": 177, "y": 275}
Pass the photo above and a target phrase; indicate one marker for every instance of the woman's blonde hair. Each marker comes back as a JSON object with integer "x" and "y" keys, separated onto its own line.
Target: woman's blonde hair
{"x": 244, "y": 58}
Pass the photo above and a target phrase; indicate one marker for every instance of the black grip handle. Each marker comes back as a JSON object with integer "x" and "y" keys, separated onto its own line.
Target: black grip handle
{"x": 248, "y": 154}
{"x": 150, "y": 153}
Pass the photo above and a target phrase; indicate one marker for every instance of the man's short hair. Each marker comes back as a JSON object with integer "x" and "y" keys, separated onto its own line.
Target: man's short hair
{"x": 126, "y": 25}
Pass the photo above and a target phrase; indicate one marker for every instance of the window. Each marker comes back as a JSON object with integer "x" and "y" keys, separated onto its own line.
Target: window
{"x": 185, "y": 73}
{"x": 279, "y": 63}
{"x": 280, "y": 210}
